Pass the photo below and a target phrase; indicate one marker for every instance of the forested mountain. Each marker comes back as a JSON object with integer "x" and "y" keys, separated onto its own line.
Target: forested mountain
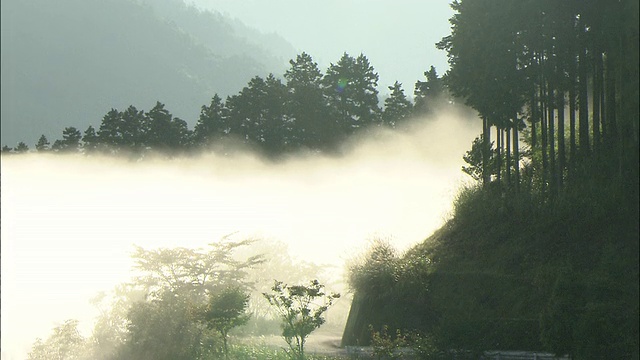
{"x": 68, "y": 62}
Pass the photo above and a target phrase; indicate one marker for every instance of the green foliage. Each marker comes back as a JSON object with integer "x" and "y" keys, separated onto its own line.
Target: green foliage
{"x": 42, "y": 144}
{"x": 226, "y": 310}
{"x": 164, "y": 328}
{"x": 195, "y": 270}
{"x": 65, "y": 343}
{"x": 428, "y": 93}
{"x": 473, "y": 158}
{"x": 212, "y": 124}
{"x": 312, "y": 111}
{"x": 300, "y": 312}
{"x": 311, "y": 124}
{"x": 21, "y": 148}
{"x": 396, "y": 106}
{"x": 71, "y": 140}
{"x": 386, "y": 346}
{"x": 264, "y": 352}
{"x": 90, "y": 140}
{"x": 164, "y": 132}
{"x": 350, "y": 87}
{"x": 516, "y": 273}
{"x": 424, "y": 346}
{"x": 377, "y": 272}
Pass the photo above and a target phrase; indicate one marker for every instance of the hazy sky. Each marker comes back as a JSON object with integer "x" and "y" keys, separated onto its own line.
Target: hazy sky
{"x": 398, "y": 36}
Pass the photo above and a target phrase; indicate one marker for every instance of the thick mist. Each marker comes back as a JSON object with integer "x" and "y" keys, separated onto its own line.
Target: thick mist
{"x": 69, "y": 223}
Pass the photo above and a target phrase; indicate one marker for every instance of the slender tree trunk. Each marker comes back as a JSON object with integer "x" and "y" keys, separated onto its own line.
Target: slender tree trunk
{"x": 516, "y": 152}
{"x": 611, "y": 101}
{"x": 603, "y": 106}
{"x": 572, "y": 113}
{"x": 561, "y": 143}
{"x": 534, "y": 119}
{"x": 543, "y": 133}
{"x": 583, "y": 124}
{"x": 486, "y": 152}
{"x": 499, "y": 140}
{"x": 553, "y": 178}
{"x": 596, "y": 100}
{"x": 507, "y": 167}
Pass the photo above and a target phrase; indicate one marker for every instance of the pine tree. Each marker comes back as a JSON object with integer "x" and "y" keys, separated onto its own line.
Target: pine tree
{"x": 43, "y": 144}
{"x": 70, "y": 142}
{"x": 428, "y": 92}
{"x": 351, "y": 89}
{"x": 163, "y": 132}
{"x": 212, "y": 123}
{"x": 21, "y": 148}
{"x": 311, "y": 124}
{"x": 396, "y": 107}
{"x": 90, "y": 141}
{"x": 110, "y": 133}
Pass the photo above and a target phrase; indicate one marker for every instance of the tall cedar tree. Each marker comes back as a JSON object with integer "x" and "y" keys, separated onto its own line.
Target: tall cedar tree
{"x": 350, "y": 87}
{"x": 212, "y": 125}
{"x": 311, "y": 123}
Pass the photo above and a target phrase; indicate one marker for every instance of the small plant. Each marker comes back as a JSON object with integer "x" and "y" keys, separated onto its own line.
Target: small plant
{"x": 302, "y": 311}
{"x": 425, "y": 347}
{"x": 226, "y": 310}
{"x": 384, "y": 345}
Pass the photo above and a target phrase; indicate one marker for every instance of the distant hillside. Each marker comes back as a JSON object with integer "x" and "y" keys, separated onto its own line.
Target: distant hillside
{"x": 66, "y": 63}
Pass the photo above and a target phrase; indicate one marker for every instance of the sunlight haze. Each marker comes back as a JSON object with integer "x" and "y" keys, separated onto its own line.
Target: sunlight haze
{"x": 70, "y": 222}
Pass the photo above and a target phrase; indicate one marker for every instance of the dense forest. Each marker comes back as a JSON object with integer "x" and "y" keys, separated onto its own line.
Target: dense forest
{"x": 543, "y": 253}
{"x": 310, "y": 110}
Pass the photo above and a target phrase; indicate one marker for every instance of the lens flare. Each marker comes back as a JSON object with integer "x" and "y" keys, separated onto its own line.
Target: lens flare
{"x": 342, "y": 84}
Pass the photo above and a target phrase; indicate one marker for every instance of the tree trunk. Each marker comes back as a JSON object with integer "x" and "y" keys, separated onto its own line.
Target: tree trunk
{"x": 583, "y": 125}
{"x": 610, "y": 101}
{"x": 553, "y": 178}
{"x": 516, "y": 153}
{"x": 486, "y": 152}
{"x": 572, "y": 112}
{"x": 499, "y": 140}
{"x": 534, "y": 119}
{"x": 596, "y": 100}
{"x": 508, "y": 153}
{"x": 561, "y": 143}
{"x": 543, "y": 133}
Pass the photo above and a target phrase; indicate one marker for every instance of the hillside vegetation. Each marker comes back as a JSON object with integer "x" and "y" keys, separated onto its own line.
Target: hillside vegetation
{"x": 66, "y": 63}
{"x": 521, "y": 273}
{"x": 543, "y": 253}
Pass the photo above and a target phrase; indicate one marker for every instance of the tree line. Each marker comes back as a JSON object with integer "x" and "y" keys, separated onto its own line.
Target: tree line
{"x": 308, "y": 110}
{"x": 564, "y": 73}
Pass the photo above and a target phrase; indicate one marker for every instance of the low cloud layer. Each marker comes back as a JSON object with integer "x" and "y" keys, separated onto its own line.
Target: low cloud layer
{"x": 69, "y": 223}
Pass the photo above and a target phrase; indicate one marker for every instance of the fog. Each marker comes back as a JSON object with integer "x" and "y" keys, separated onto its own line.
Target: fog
{"x": 69, "y": 223}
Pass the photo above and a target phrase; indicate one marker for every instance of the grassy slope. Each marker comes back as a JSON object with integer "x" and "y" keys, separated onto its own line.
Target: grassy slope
{"x": 523, "y": 272}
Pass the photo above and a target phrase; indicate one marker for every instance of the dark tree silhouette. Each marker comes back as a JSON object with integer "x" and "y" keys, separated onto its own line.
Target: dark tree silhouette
{"x": 311, "y": 123}
{"x": 71, "y": 141}
{"x": 350, "y": 87}
{"x": 43, "y": 144}
{"x": 396, "y": 107}
{"x": 212, "y": 124}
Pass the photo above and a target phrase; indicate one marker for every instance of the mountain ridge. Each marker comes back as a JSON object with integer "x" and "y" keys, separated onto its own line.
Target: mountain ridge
{"x": 68, "y": 63}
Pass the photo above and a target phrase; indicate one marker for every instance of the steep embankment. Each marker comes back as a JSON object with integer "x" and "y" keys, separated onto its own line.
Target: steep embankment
{"x": 516, "y": 272}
